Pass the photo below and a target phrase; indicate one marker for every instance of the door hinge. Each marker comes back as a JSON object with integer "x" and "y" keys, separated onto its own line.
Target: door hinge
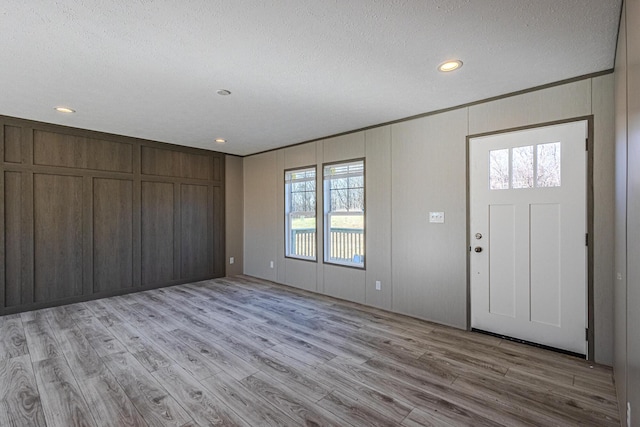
{"x": 586, "y": 334}
{"x": 586, "y": 239}
{"x": 586, "y": 147}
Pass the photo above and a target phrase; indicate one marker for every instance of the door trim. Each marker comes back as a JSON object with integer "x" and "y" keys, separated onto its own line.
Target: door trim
{"x": 590, "y": 220}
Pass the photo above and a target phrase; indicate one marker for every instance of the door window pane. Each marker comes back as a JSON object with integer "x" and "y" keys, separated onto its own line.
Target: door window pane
{"x": 499, "y": 169}
{"x": 522, "y": 167}
{"x": 548, "y": 165}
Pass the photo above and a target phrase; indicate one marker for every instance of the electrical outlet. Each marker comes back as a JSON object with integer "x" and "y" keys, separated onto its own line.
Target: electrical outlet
{"x": 270, "y": 264}
{"x": 378, "y": 285}
{"x": 232, "y": 260}
{"x": 436, "y": 217}
{"x": 619, "y": 276}
{"x": 628, "y": 414}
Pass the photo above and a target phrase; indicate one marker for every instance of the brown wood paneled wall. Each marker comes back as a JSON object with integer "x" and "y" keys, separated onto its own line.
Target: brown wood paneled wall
{"x": 86, "y": 215}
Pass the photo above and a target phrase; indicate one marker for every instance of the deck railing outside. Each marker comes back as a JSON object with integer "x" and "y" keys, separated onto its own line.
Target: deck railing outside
{"x": 346, "y": 243}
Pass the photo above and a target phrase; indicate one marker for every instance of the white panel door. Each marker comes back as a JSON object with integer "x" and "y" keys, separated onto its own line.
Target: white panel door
{"x": 528, "y": 223}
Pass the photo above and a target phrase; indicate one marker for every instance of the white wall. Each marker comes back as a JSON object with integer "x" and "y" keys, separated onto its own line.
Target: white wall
{"x": 627, "y": 242}
{"x": 429, "y": 260}
{"x": 414, "y": 167}
{"x": 620, "y": 288}
{"x": 234, "y": 209}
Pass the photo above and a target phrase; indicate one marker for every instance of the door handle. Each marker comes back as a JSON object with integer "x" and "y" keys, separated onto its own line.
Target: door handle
{"x": 478, "y": 249}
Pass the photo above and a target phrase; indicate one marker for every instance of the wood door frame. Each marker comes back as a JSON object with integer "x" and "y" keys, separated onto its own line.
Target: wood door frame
{"x": 590, "y": 219}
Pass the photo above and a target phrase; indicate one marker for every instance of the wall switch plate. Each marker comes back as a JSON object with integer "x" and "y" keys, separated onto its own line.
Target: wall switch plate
{"x": 436, "y": 217}
{"x": 378, "y": 285}
{"x": 270, "y": 264}
{"x": 232, "y": 260}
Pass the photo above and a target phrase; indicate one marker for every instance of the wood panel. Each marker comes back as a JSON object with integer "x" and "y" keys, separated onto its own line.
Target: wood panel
{"x": 161, "y": 162}
{"x": 196, "y": 166}
{"x": 57, "y": 236}
{"x": 57, "y": 149}
{"x": 157, "y": 232}
{"x": 78, "y": 219}
{"x": 112, "y": 234}
{"x": 195, "y": 229}
{"x": 12, "y": 144}
{"x": 13, "y": 238}
{"x": 218, "y": 168}
{"x": 218, "y": 221}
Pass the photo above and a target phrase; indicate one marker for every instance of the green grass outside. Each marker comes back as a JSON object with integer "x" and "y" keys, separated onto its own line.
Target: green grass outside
{"x": 337, "y": 221}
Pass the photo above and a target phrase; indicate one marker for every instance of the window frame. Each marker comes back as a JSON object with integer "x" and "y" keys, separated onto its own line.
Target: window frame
{"x": 326, "y": 202}
{"x": 288, "y": 214}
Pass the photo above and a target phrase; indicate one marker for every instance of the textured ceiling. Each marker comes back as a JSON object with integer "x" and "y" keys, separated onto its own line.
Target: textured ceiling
{"x": 297, "y": 69}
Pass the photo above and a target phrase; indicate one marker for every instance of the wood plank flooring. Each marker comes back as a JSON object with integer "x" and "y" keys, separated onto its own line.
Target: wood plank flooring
{"x": 241, "y": 351}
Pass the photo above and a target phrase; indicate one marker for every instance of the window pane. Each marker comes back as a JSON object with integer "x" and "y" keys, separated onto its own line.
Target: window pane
{"x": 310, "y": 201}
{"x": 346, "y": 236}
{"x": 339, "y": 183}
{"x": 356, "y": 199}
{"x": 344, "y": 213}
{"x": 339, "y": 200}
{"x": 298, "y": 186}
{"x": 499, "y": 169}
{"x": 297, "y": 202}
{"x": 300, "y": 215}
{"x": 303, "y": 236}
{"x": 356, "y": 181}
{"x": 548, "y": 165}
{"x": 522, "y": 167}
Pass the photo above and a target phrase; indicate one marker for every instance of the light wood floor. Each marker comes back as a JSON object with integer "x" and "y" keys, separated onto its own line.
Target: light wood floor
{"x": 241, "y": 351}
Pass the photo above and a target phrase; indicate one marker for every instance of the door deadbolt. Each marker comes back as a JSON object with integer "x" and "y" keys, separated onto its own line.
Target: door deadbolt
{"x": 478, "y": 249}
{"x": 478, "y": 236}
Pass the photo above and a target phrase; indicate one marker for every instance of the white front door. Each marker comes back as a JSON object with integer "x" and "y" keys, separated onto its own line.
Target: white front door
{"x": 528, "y": 224}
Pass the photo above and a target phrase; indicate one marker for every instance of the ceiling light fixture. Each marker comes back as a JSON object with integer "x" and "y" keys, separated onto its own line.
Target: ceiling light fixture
{"x": 448, "y": 66}
{"x": 66, "y": 110}
{"x": 223, "y": 92}
{"x": 221, "y": 140}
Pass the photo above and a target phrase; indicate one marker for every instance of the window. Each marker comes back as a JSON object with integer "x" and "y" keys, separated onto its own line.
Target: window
{"x": 344, "y": 213}
{"x": 300, "y": 213}
{"x": 532, "y": 166}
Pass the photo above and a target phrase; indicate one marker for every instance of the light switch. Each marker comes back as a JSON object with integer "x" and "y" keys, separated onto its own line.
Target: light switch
{"x": 232, "y": 260}
{"x": 436, "y": 217}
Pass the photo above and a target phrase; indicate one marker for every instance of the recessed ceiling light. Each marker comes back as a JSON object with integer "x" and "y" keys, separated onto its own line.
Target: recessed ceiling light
{"x": 223, "y": 92}
{"x": 221, "y": 140}
{"x": 452, "y": 65}
{"x": 65, "y": 110}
